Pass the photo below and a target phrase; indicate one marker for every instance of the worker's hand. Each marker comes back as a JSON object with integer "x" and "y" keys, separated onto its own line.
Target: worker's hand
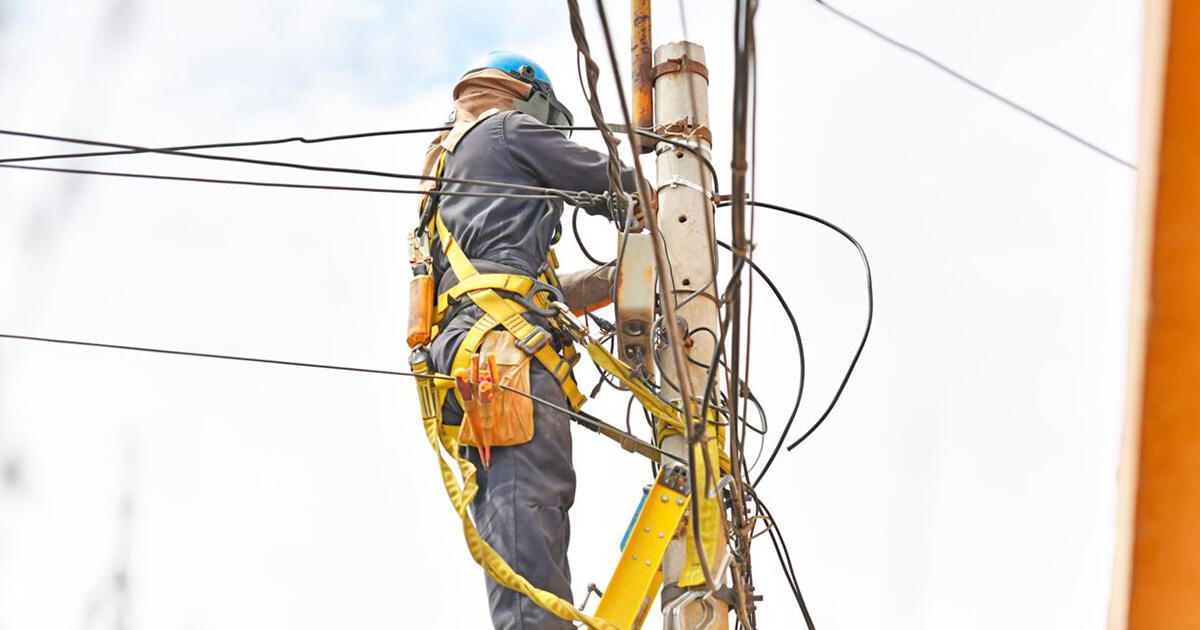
{"x": 637, "y": 220}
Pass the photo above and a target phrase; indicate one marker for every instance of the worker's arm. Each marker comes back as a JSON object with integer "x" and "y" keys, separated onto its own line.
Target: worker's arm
{"x": 557, "y": 162}
{"x": 547, "y": 155}
{"x": 587, "y": 290}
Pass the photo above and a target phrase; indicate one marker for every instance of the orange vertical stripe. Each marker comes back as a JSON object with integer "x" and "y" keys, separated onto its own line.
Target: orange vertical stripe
{"x": 1164, "y": 589}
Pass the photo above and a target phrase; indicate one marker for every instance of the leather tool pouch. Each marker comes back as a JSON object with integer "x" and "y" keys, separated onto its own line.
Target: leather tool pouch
{"x": 508, "y": 420}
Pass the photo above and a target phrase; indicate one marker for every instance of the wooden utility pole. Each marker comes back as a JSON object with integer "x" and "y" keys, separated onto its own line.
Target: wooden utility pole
{"x": 1156, "y": 578}
{"x": 686, "y": 223}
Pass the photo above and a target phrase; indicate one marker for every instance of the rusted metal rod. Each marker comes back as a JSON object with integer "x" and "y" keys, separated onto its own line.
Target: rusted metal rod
{"x": 643, "y": 69}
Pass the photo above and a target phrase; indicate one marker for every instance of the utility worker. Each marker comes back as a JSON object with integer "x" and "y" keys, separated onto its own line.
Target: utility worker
{"x": 487, "y": 253}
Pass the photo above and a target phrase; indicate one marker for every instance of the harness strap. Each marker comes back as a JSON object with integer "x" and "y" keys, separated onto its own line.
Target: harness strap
{"x": 512, "y": 283}
{"x": 500, "y": 311}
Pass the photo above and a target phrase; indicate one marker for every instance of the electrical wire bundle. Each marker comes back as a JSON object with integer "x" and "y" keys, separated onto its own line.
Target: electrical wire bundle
{"x": 745, "y": 509}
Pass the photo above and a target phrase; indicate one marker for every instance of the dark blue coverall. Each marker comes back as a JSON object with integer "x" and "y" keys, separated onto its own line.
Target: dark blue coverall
{"x": 525, "y": 494}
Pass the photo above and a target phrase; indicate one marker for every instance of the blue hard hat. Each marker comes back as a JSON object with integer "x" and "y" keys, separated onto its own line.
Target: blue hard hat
{"x": 541, "y": 104}
{"x": 519, "y": 66}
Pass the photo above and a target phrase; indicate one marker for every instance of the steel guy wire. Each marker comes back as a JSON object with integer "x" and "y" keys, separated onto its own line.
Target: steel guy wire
{"x": 591, "y": 94}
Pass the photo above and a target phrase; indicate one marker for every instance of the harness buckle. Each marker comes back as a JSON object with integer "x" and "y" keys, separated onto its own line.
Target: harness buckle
{"x": 534, "y": 340}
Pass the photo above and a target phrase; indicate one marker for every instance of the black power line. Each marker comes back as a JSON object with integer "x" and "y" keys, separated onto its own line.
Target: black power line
{"x": 683, "y": 146}
{"x": 975, "y": 84}
{"x": 787, "y": 310}
{"x": 205, "y": 355}
{"x": 569, "y": 196}
{"x": 591, "y": 422}
{"x": 221, "y": 145}
{"x": 245, "y": 182}
{"x": 870, "y": 309}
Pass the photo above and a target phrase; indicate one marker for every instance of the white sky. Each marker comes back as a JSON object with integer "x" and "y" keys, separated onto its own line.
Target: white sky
{"x": 967, "y": 479}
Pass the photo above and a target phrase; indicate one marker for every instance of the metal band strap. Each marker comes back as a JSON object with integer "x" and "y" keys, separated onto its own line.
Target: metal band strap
{"x": 676, "y": 180}
{"x": 681, "y": 64}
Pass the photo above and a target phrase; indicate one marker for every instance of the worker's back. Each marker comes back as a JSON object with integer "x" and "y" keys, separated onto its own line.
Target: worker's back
{"x": 512, "y": 232}
{"x": 513, "y": 147}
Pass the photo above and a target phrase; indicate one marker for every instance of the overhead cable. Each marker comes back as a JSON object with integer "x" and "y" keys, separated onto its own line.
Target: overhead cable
{"x": 222, "y": 145}
{"x": 679, "y": 144}
{"x": 870, "y": 308}
{"x": 591, "y": 422}
{"x": 787, "y": 310}
{"x": 975, "y": 84}
{"x": 244, "y": 182}
{"x": 592, "y": 95}
{"x": 785, "y": 559}
{"x": 569, "y": 196}
{"x": 744, "y": 54}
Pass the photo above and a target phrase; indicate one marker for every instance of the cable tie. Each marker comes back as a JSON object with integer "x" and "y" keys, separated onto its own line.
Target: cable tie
{"x": 676, "y": 180}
